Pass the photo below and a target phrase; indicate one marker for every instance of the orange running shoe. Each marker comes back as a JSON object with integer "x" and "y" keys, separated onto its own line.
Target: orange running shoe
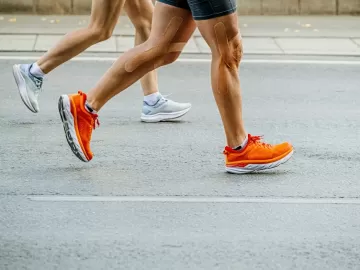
{"x": 256, "y": 156}
{"x": 78, "y": 124}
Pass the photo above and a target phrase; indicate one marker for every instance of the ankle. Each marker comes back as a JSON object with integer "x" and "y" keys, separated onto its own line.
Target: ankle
{"x": 238, "y": 142}
{"x": 36, "y": 70}
{"x": 93, "y": 104}
{"x": 89, "y": 108}
{"x": 152, "y": 98}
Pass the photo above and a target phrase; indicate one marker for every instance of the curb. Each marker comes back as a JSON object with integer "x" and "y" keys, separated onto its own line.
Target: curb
{"x": 267, "y": 45}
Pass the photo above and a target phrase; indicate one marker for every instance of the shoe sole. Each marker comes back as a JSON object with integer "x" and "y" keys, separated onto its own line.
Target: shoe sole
{"x": 161, "y": 117}
{"x": 69, "y": 127}
{"x": 259, "y": 167}
{"x": 20, "y": 82}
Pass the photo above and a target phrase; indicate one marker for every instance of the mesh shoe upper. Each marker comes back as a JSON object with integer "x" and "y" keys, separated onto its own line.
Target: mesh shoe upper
{"x": 256, "y": 151}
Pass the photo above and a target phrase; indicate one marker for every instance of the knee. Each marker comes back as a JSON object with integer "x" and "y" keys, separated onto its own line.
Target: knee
{"x": 236, "y": 48}
{"x": 170, "y": 58}
{"x": 164, "y": 53}
{"x": 164, "y": 58}
{"x": 100, "y": 34}
{"x": 153, "y": 55}
{"x": 232, "y": 55}
{"x": 140, "y": 13}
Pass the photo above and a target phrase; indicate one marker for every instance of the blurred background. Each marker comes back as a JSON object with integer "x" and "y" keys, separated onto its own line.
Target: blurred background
{"x": 246, "y": 7}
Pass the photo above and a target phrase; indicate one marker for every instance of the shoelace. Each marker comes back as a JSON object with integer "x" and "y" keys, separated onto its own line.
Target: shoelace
{"x": 95, "y": 123}
{"x": 257, "y": 140}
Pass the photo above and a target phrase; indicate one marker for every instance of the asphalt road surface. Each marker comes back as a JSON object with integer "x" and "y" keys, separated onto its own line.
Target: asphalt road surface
{"x": 156, "y": 196}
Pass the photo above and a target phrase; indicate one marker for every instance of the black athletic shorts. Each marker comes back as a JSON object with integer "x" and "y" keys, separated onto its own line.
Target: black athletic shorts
{"x": 204, "y": 9}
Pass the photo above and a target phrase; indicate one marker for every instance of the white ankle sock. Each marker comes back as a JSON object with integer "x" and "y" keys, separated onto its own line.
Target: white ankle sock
{"x": 240, "y": 147}
{"x": 152, "y": 98}
{"x": 36, "y": 71}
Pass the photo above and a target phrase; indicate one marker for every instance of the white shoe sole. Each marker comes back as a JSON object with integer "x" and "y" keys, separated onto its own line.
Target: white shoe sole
{"x": 69, "y": 127}
{"x": 159, "y": 117}
{"x": 21, "y": 84}
{"x": 259, "y": 167}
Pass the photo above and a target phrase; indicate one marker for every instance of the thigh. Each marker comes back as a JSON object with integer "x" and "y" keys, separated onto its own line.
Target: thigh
{"x": 209, "y": 9}
{"x": 105, "y": 13}
{"x": 171, "y": 24}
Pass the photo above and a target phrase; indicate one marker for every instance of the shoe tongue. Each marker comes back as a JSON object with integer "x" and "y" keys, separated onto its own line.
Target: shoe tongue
{"x": 161, "y": 100}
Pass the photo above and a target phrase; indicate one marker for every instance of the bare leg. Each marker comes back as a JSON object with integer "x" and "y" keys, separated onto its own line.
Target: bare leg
{"x": 29, "y": 78}
{"x": 223, "y": 37}
{"x": 104, "y": 16}
{"x": 170, "y": 26}
{"x": 140, "y": 13}
{"x": 171, "y": 29}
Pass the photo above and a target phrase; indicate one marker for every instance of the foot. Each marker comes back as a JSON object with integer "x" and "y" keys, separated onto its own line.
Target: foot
{"x": 256, "y": 156}
{"x": 163, "y": 110}
{"x": 29, "y": 86}
{"x": 78, "y": 124}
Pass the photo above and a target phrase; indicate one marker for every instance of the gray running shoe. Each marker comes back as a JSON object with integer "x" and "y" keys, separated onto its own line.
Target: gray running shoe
{"x": 29, "y": 86}
{"x": 163, "y": 110}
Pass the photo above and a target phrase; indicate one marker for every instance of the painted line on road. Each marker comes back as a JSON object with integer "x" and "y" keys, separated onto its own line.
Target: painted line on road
{"x": 198, "y": 199}
{"x": 199, "y": 60}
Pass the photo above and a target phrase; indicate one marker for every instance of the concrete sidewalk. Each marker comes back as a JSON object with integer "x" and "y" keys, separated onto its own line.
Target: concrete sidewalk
{"x": 303, "y": 35}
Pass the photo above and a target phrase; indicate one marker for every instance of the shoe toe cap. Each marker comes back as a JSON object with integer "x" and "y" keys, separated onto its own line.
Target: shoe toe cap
{"x": 283, "y": 148}
{"x": 35, "y": 105}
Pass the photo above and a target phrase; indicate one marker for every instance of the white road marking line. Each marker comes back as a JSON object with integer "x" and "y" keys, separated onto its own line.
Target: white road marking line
{"x": 198, "y": 199}
{"x": 200, "y": 60}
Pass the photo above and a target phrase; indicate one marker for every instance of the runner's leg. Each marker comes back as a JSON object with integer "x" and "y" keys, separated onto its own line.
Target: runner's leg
{"x": 223, "y": 37}
{"x": 156, "y": 108}
{"x": 172, "y": 27}
{"x": 29, "y": 78}
{"x": 218, "y": 23}
{"x": 140, "y": 13}
{"x": 104, "y": 16}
